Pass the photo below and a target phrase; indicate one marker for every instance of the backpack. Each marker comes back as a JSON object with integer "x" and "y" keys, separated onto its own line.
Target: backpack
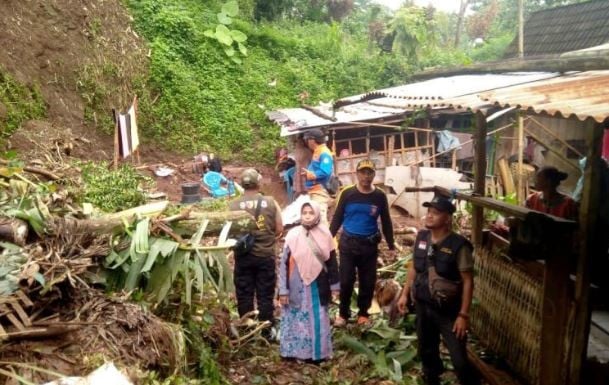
{"x": 333, "y": 184}
{"x": 245, "y": 243}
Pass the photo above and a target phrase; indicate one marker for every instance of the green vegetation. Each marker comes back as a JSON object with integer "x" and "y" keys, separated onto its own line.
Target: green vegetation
{"x": 112, "y": 190}
{"x": 18, "y": 103}
{"x": 205, "y": 101}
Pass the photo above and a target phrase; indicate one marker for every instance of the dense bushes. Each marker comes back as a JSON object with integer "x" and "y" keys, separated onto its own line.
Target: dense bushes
{"x": 204, "y": 101}
{"x": 18, "y": 103}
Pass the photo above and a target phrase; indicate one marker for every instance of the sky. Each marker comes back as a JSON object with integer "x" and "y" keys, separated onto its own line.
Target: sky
{"x": 443, "y": 5}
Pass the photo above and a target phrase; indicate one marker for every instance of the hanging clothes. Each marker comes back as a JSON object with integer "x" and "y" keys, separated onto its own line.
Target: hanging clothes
{"x": 605, "y": 150}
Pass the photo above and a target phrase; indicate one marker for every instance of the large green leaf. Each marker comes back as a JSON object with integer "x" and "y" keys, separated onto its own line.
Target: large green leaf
{"x": 159, "y": 246}
{"x": 135, "y": 272}
{"x": 163, "y": 274}
{"x": 385, "y": 331}
{"x": 242, "y": 49}
{"x": 230, "y": 52}
{"x": 238, "y": 36}
{"x": 141, "y": 236}
{"x": 187, "y": 283}
{"x": 403, "y": 356}
{"x": 223, "y": 35}
{"x": 196, "y": 237}
{"x": 224, "y": 270}
{"x": 224, "y": 233}
{"x": 209, "y": 33}
{"x": 199, "y": 280}
{"x": 123, "y": 255}
{"x": 206, "y": 273}
{"x": 223, "y": 18}
{"x": 231, "y": 8}
{"x": 358, "y": 347}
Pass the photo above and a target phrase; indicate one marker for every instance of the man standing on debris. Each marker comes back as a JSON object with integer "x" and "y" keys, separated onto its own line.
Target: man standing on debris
{"x": 441, "y": 287}
{"x": 254, "y": 273}
{"x": 357, "y": 211}
{"x": 319, "y": 171}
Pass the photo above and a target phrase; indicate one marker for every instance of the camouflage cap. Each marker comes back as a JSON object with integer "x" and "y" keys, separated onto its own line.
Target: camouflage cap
{"x": 250, "y": 178}
{"x": 365, "y": 163}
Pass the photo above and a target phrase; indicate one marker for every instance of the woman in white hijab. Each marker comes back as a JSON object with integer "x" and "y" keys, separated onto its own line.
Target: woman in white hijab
{"x": 308, "y": 278}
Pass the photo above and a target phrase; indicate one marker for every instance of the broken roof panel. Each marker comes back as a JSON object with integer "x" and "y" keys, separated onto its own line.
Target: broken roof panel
{"x": 582, "y": 95}
{"x": 435, "y": 93}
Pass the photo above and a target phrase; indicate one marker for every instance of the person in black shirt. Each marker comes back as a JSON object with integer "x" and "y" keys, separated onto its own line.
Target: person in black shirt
{"x": 357, "y": 211}
{"x": 441, "y": 257}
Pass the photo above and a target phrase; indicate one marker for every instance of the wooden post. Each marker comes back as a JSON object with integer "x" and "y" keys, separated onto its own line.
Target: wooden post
{"x": 116, "y": 139}
{"x": 520, "y": 28}
{"x": 390, "y": 148}
{"x": 520, "y": 191}
{"x": 555, "y": 312}
{"x": 587, "y": 223}
{"x": 479, "y": 176}
{"x": 136, "y": 150}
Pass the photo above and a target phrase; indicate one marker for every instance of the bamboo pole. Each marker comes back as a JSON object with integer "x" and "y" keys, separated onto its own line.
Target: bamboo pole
{"x": 552, "y": 150}
{"x": 521, "y": 28}
{"x": 459, "y": 146}
{"x": 587, "y": 239}
{"x": 479, "y": 176}
{"x": 391, "y": 126}
{"x": 520, "y": 212}
{"x": 550, "y": 132}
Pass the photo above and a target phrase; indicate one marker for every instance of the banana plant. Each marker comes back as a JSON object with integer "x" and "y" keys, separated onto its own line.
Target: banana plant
{"x": 387, "y": 349}
{"x": 162, "y": 261}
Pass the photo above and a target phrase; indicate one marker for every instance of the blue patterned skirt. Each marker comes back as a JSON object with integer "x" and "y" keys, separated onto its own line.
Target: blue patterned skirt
{"x": 305, "y": 331}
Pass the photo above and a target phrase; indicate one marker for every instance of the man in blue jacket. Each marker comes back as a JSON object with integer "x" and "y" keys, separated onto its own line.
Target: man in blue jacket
{"x": 319, "y": 170}
{"x": 357, "y": 211}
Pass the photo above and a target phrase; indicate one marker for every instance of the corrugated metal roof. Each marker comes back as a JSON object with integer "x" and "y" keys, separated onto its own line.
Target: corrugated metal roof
{"x": 453, "y": 86}
{"x": 446, "y": 92}
{"x": 583, "y": 95}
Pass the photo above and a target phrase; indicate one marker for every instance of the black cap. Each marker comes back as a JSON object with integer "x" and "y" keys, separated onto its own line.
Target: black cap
{"x": 442, "y": 204}
{"x": 314, "y": 133}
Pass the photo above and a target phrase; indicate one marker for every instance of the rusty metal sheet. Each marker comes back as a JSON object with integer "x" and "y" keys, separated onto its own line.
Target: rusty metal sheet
{"x": 582, "y": 95}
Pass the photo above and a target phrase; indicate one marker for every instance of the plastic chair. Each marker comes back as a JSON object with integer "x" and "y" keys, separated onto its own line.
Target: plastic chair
{"x": 212, "y": 181}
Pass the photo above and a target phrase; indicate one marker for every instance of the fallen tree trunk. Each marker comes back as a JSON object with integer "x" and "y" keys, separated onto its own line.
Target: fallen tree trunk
{"x": 242, "y": 222}
{"x": 187, "y": 222}
{"x": 13, "y": 230}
